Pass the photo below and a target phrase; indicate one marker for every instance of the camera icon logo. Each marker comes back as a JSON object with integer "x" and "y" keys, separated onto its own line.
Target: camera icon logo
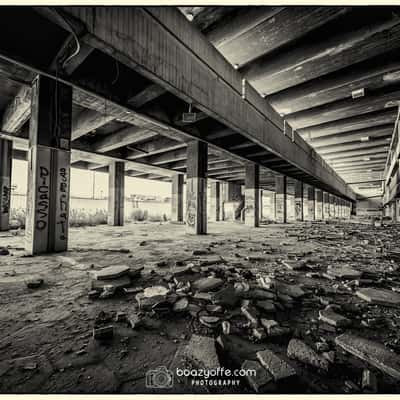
{"x": 159, "y": 378}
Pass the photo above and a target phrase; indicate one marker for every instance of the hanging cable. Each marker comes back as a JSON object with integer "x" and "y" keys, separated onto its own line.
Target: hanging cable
{"x": 75, "y": 36}
{"x": 117, "y": 73}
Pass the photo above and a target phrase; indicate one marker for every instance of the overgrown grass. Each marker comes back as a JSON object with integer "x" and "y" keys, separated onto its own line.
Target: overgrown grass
{"x": 140, "y": 215}
{"x": 77, "y": 217}
{"x": 82, "y": 217}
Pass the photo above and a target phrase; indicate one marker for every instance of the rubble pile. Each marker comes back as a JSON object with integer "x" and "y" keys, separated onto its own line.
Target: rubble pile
{"x": 294, "y": 314}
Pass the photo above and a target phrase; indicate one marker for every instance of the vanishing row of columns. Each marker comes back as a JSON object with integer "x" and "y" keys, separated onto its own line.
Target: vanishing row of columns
{"x": 49, "y": 159}
{"x": 314, "y": 203}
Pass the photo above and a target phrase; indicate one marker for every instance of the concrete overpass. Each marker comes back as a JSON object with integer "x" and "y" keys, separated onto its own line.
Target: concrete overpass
{"x": 264, "y": 104}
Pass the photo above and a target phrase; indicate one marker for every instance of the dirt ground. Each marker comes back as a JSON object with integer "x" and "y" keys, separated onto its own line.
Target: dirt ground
{"x": 46, "y": 343}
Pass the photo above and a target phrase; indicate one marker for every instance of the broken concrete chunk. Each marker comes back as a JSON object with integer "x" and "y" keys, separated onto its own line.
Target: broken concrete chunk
{"x": 369, "y": 383}
{"x": 266, "y": 305}
{"x": 118, "y": 283}
{"x": 259, "y": 333}
{"x": 298, "y": 350}
{"x": 268, "y": 324}
{"x": 103, "y": 332}
{"x": 261, "y": 378}
{"x": 135, "y": 272}
{"x": 34, "y": 283}
{"x": 4, "y": 251}
{"x": 133, "y": 290}
{"x": 278, "y": 367}
{"x": 294, "y": 265}
{"x": 331, "y": 317}
{"x": 294, "y": 291}
{"x": 112, "y": 272}
{"x": 203, "y": 296}
{"x": 153, "y": 291}
{"x": 146, "y": 303}
{"x": 371, "y": 352}
{"x": 343, "y": 272}
{"x": 226, "y": 297}
{"x": 259, "y": 294}
{"x": 207, "y": 284}
{"x": 209, "y": 321}
{"x": 201, "y": 350}
{"x": 251, "y": 314}
{"x": 108, "y": 291}
{"x": 135, "y": 321}
{"x": 181, "y": 305}
{"x": 379, "y": 296}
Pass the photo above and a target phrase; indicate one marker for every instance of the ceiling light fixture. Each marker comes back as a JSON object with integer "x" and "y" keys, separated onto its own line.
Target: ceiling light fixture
{"x": 364, "y": 139}
{"x": 355, "y": 94}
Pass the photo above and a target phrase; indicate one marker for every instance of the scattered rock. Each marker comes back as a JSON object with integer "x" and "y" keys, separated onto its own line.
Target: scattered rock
{"x": 300, "y": 351}
{"x": 379, "y": 296}
{"x": 112, "y": 272}
{"x": 226, "y": 297}
{"x": 207, "y": 284}
{"x": 369, "y": 383}
{"x": 261, "y": 379}
{"x": 343, "y": 272}
{"x": 181, "y": 305}
{"x": 331, "y": 317}
{"x": 4, "y": 251}
{"x": 201, "y": 350}
{"x": 371, "y": 352}
{"x": 103, "y": 333}
{"x": 209, "y": 321}
{"x": 266, "y": 305}
{"x": 34, "y": 283}
{"x": 278, "y": 367}
{"x": 118, "y": 283}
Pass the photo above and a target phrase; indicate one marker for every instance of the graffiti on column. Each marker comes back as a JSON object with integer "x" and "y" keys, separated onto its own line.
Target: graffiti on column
{"x": 63, "y": 203}
{"x": 42, "y": 206}
{"x": 5, "y": 198}
{"x": 191, "y": 209}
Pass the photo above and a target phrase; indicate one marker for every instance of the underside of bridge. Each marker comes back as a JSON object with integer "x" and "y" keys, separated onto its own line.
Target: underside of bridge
{"x": 253, "y": 113}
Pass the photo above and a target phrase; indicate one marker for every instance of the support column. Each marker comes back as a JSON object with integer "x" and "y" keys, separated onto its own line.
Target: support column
{"x": 232, "y": 201}
{"x": 326, "y": 206}
{"x": 5, "y": 183}
{"x": 215, "y": 201}
{"x": 116, "y": 193}
{"x": 311, "y": 203}
{"x": 280, "y": 199}
{"x": 177, "y": 198}
{"x": 318, "y": 205}
{"x": 331, "y": 207}
{"x": 49, "y": 161}
{"x": 252, "y": 195}
{"x": 196, "y": 187}
{"x": 298, "y": 198}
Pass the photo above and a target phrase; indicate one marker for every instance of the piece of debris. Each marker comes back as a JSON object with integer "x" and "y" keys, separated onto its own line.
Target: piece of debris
{"x": 260, "y": 379}
{"x": 181, "y": 305}
{"x": 207, "y": 284}
{"x": 371, "y": 352}
{"x": 103, "y": 332}
{"x": 112, "y": 272}
{"x": 369, "y": 383}
{"x": 201, "y": 350}
{"x": 379, "y": 296}
{"x": 4, "y": 251}
{"x": 300, "y": 351}
{"x": 278, "y": 367}
{"x": 34, "y": 283}
{"x": 331, "y": 317}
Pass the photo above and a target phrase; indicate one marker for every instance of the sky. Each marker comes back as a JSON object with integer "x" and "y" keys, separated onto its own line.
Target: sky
{"x": 82, "y": 183}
